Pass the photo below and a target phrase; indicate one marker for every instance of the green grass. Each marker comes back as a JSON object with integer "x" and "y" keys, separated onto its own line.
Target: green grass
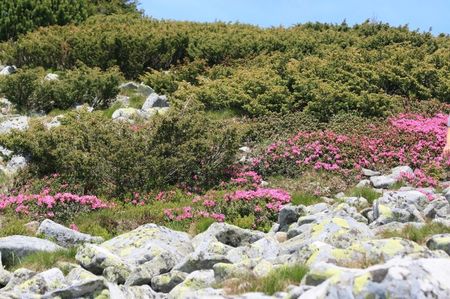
{"x": 56, "y": 112}
{"x": 109, "y": 112}
{"x": 418, "y": 235}
{"x": 305, "y": 198}
{"x": 367, "y": 192}
{"x": 12, "y": 225}
{"x": 277, "y": 280}
{"x": 136, "y": 101}
{"x": 222, "y": 114}
{"x": 109, "y": 223}
{"x": 42, "y": 261}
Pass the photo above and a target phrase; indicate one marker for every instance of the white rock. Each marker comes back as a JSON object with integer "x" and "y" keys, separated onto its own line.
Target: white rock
{"x": 64, "y": 236}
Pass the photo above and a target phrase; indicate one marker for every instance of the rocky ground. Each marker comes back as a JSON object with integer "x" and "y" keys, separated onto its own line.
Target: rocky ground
{"x": 340, "y": 241}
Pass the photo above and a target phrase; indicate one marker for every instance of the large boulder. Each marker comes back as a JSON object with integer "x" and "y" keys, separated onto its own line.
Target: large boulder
{"x": 21, "y": 246}
{"x": 398, "y": 278}
{"x": 123, "y": 255}
{"x": 64, "y": 236}
{"x": 338, "y": 231}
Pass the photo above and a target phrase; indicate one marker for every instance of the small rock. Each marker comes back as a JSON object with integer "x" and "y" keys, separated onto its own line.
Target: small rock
{"x": 439, "y": 242}
{"x": 51, "y": 77}
{"x": 155, "y": 101}
{"x": 363, "y": 183}
{"x": 369, "y": 173}
{"x": 8, "y": 70}
{"x": 166, "y": 282}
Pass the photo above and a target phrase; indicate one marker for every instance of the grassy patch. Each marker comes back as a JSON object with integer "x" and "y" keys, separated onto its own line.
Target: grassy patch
{"x": 109, "y": 223}
{"x": 12, "y": 225}
{"x": 222, "y": 114}
{"x": 42, "y": 261}
{"x": 109, "y": 112}
{"x": 418, "y": 235}
{"x": 200, "y": 226}
{"x": 136, "y": 101}
{"x": 305, "y": 198}
{"x": 367, "y": 192}
{"x": 321, "y": 183}
{"x": 277, "y": 280}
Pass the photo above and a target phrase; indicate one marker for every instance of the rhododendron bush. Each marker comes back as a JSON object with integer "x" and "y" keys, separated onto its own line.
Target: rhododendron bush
{"x": 60, "y": 206}
{"x": 407, "y": 139}
{"x": 259, "y": 206}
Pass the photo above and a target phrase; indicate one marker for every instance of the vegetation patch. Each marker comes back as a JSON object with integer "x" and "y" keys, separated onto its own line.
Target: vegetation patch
{"x": 277, "y": 280}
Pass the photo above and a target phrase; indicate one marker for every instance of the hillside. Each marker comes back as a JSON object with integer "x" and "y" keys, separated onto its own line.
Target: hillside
{"x": 144, "y": 158}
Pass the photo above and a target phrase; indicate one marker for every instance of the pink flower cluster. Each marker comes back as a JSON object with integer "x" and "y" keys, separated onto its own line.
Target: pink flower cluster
{"x": 245, "y": 178}
{"x": 275, "y": 198}
{"x": 47, "y": 205}
{"x": 407, "y": 139}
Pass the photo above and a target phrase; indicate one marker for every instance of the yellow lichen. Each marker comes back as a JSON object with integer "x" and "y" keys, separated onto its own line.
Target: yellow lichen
{"x": 360, "y": 282}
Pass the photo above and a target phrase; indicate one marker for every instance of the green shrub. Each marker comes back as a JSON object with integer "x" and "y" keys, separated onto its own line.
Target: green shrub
{"x": 100, "y": 156}
{"x": 30, "y": 92}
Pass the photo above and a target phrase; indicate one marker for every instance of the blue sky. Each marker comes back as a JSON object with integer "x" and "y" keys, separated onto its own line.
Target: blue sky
{"x": 418, "y": 14}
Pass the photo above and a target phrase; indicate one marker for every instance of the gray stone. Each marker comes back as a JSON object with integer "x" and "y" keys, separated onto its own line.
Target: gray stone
{"x": 398, "y": 278}
{"x": 125, "y": 114}
{"x": 15, "y": 164}
{"x": 369, "y": 173}
{"x": 194, "y": 282}
{"x": 288, "y": 215}
{"x": 166, "y": 282}
{"x": 8, "y": 70}
{"x": 144, "y": 273}
{"x": 117, "y": 258}
{"x": 339, "y": 231}
{"x": 80, "y": 283}
{"x": 64, "y": 236}
{"x": 51, "y": 77}
{"x": 363, "y": 183}
{"x": 21, "y": 246}
{"x": 18, "y": 277}
{"x": 54, "y": 122}
{"x": 138, "y": 292}
{"x": 84, "y": 107}
{"x": 41, "y": 283}
{"x": 440, "y": 242}
{"x": 19, "y": 123}
{"x": 382, "y": 181}
{"x": 155, "y": 101}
